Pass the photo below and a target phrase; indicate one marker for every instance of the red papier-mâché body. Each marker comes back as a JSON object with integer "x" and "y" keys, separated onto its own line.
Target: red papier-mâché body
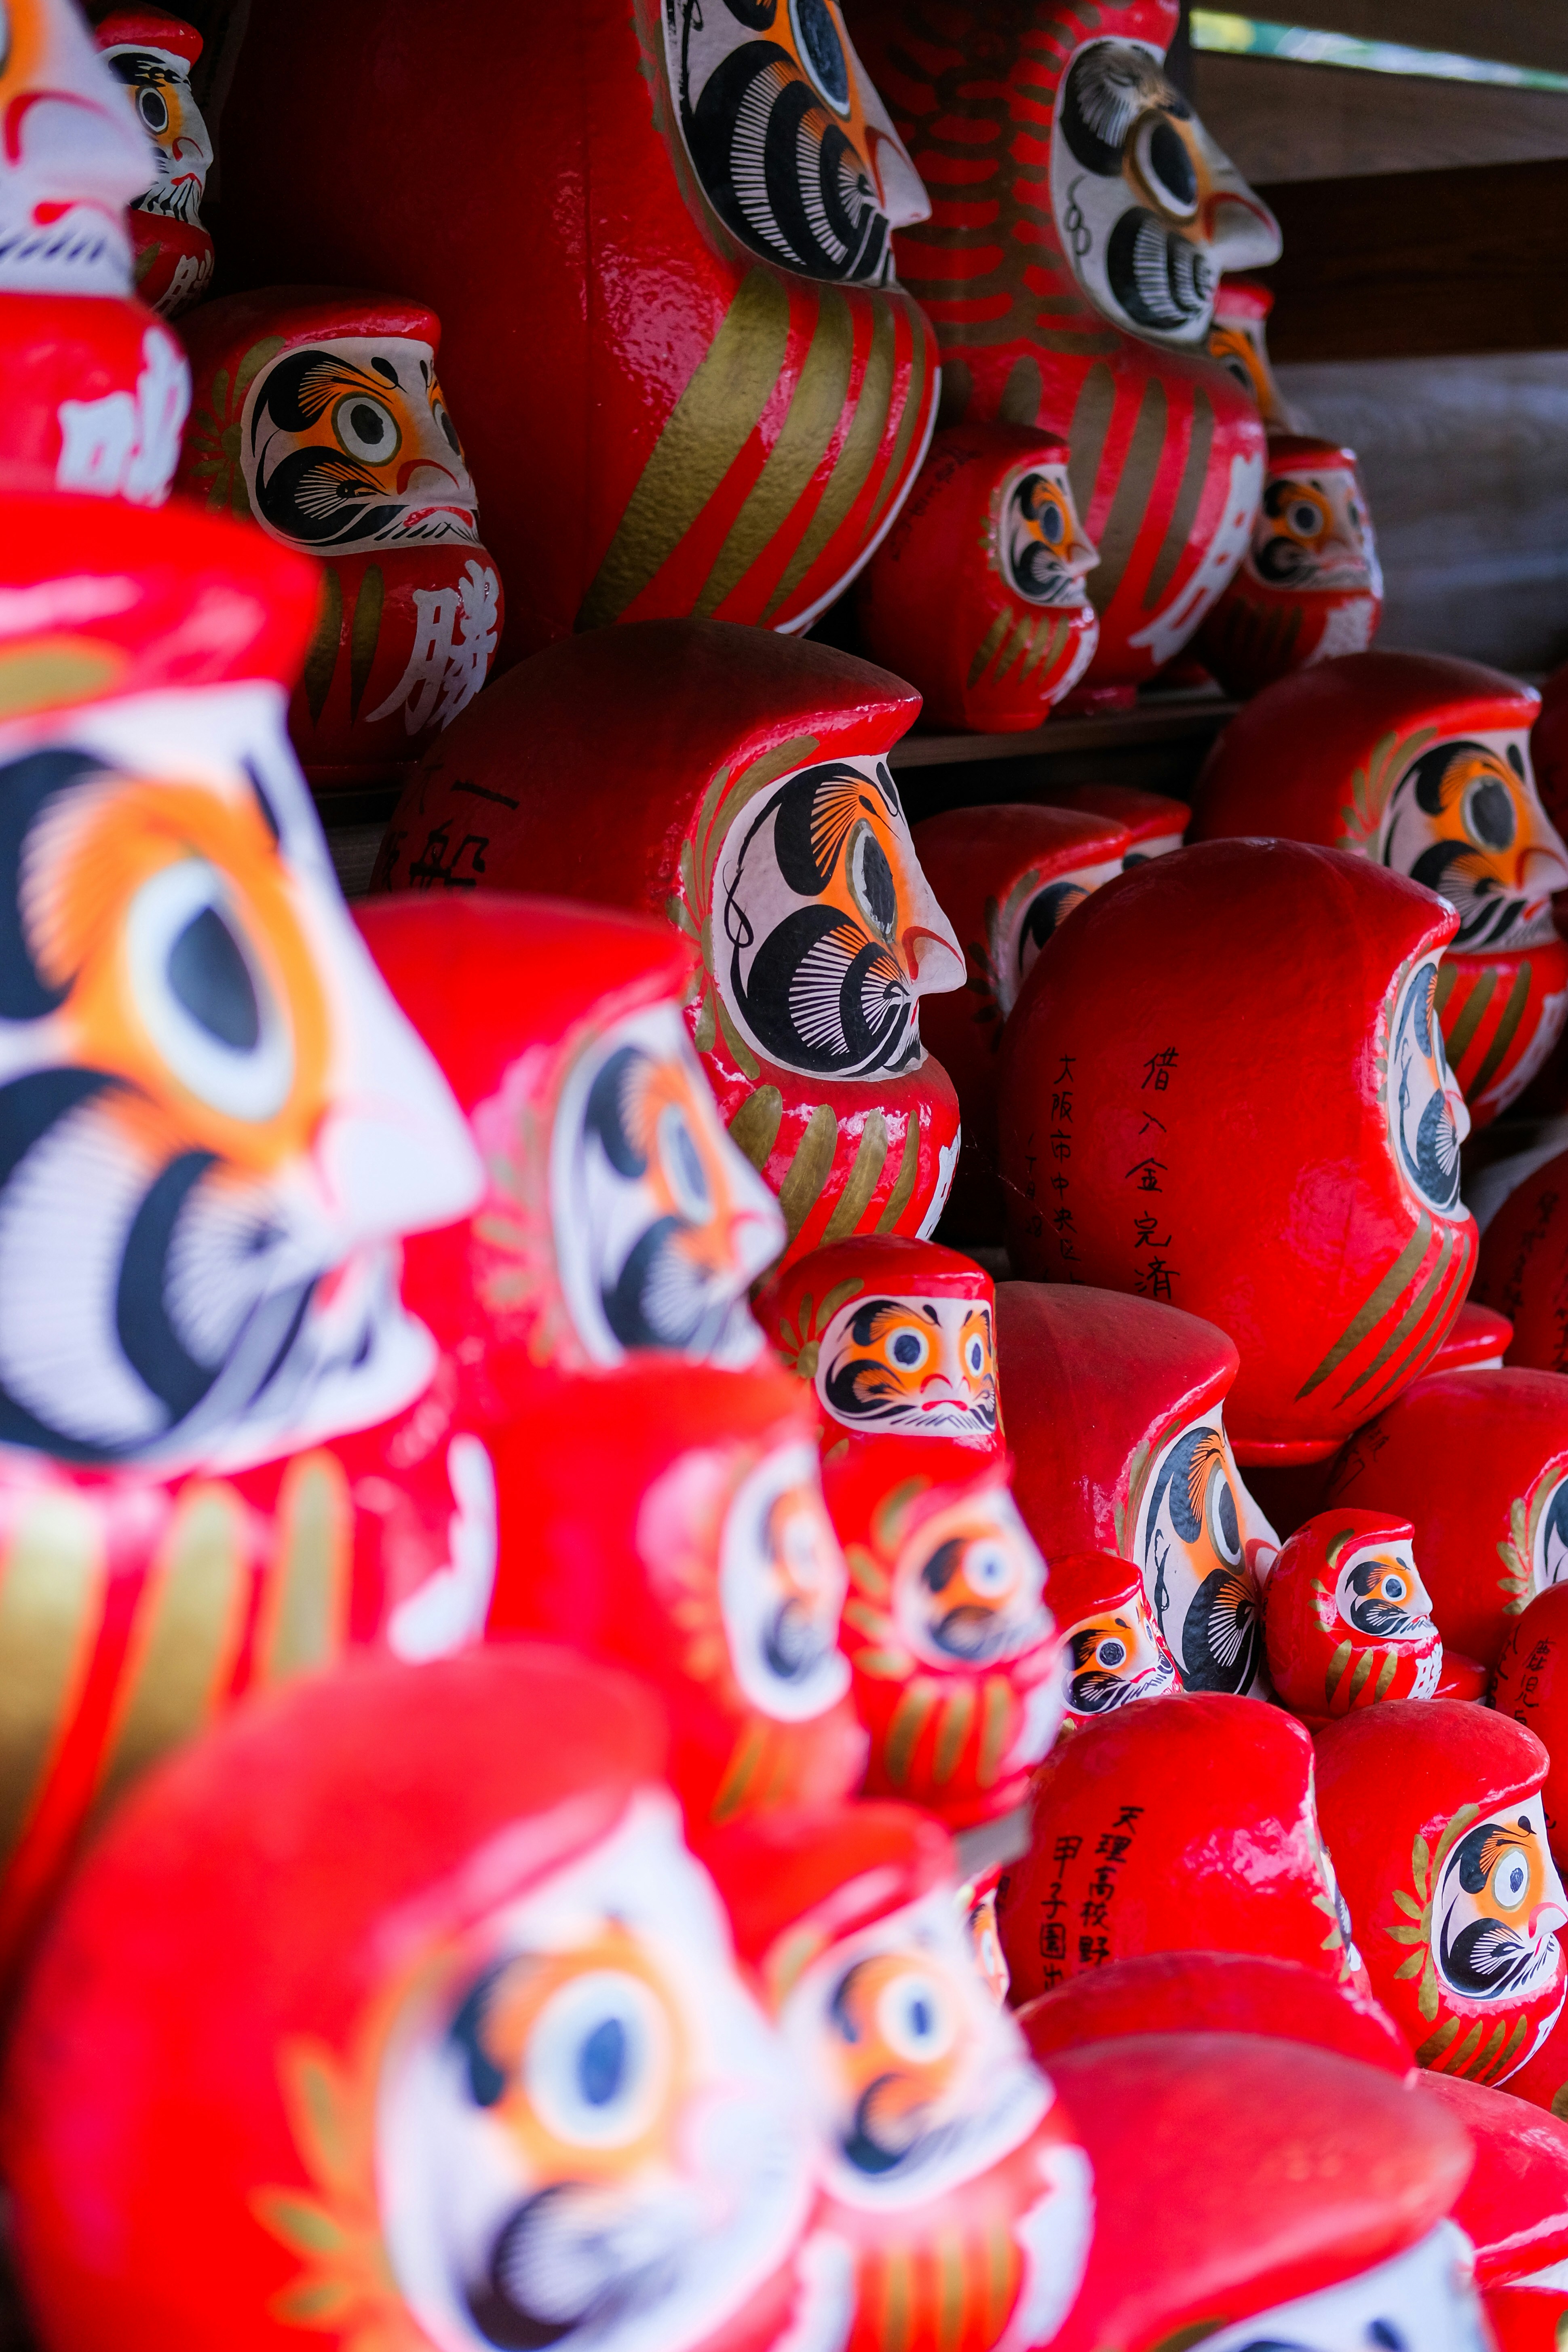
{"x": 1514, "y": 2207}
{"x": 741, "y": 460}
{"x": 1213, "y": 1992}
{"x": 1421, "y": 762}
{"x": 1433, "y": 1810}
{"x": 736, "y": 785}
{"x": 1224, "y": 1089}
{"x": 1530, "y": 1683}
{"x": 1081, "y": 216}
{"x": 1346, "y": 1618}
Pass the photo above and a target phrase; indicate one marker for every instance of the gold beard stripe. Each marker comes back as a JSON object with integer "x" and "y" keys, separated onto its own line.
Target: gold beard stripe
{"x": 1455, "y": 1277}
{"x": 987, "y": 646}
{"x": 1184, "y": 513}
{"x": 809, "y": 1169}
{"x": 1502, "y": 1035}
{"x": 864, "y": 1178}
{"x": 953, "y": 1726}
{"x": 322, "y": 659}
{"x": 706, "y": 431}
{"x": 911, "y": 422}
{"x": 1129, "y": 504}
{"x": 305, "y": 1606}
{"x": 188, "y": 1623}
{"x": 855, "y": 459}
{"x": 1366, "y": 1319}
{"x": 1414, "y": 1315}
{"x": 1457, "y": 1042}
{"x": 51, "y": 1605}
{"x": 365, "y": 635}
{"x": 816, "y": 407}
{"x": 898, "y": 1200}
{"x": 1050, "y": 645}
{"x": 909, "y": 1717}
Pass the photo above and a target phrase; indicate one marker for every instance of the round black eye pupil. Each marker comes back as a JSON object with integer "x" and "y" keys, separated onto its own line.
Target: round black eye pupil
{"x": 154, "y": 112}
{"x": 920, "y": 2017}
{"x": 822, "y": 48}
{"x": 877, "y": 886}
{"x": 368, "y": 422}
{"x": 602, "y": 2063}
{"x": 451, "y": 432}
{"x": 1230, "y": 1532}
{"x": 691, "y": 1160}
{"x": 1172, "y": 165}
{"x": 1112, "y": 1654}
{"x": 1491, "y": 815}
{"x": 209, "y": 977}
{"x": 906, "y": 1348}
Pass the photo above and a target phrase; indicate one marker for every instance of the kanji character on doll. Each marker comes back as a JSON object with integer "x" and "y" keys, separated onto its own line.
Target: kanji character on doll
{"x": 736, "y": 785}
{"x": 1293, "y": 1174}
{"x": 1433, "y": 1813}
{"x": 153, "y": 52}
{"x": 1346, "y": 1618}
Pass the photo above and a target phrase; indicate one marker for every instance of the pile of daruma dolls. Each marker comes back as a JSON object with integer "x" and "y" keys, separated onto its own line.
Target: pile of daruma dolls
{"x": 605, "y": 1744}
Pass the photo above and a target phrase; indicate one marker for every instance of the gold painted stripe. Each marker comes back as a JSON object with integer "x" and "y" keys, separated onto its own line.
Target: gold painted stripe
{"x": 1360, "y": 1675}
{"x": 1509, "y": 2057}
{"x": 187, "y": 1628}
{"x": 1468, "y": 1019}
{"x": 1135, "y": 488}
{"x": 740, "y": 1772}
{"x": 1385, "y": 1675}
{"x": 809, "y": 1169}
{"x": 1022, "y": 638}
{"x": 1184, "y": 514}
{"x": 322, "y": 657}
{"x": 1461, "y": 2057}
{"x": 1414, "y": 1315}
{"x": 755, "y": 1126}
{"x": 1502, "y": 1035}
{"x": 709, "y": 426}
{"x": 816, "y": 407}
{"x": 951, "y": 2298}
{"x": 911, "y": 422}
{"x": 1377, "y": 1306}
{"x": 898, "y": 2308}
{"x": 864, "y": 1178}
{"x": 909, "y": 1720}
{"x": 1086, "y": 443}
{"x": 304, "y": 1608}
{"x": 996, "y": 1716}
{"x": 1405, "y": 1365}
{"x": 898, "y": 1200}
{"x": 1436, "y": 2042}
{"x": 987, "y": 646}
{"x": 855, "y": 461}
{"x": 51, "y": 1606}
{"x": 364, "y": 633}
{"x": 953, "y": 1730}
{"x": 1337, "y": 1665}
{"x": 1047, "y": 646}
{"x": 1446, "y": 975}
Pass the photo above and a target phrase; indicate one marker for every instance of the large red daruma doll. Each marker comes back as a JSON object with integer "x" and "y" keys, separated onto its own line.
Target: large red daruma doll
{"x": 1432, "y": 1811}
{"x": 736, "y": 785}
{"x": 318, "y": 416}
{"x": 1082, "y": 217}
{"x": 1280, "y": 1157}
{"x": 743, "y": 462}
{"x": 489, "y": 2076}
{"x": 96, "y": 388}
{"x": 1421, "y": 762}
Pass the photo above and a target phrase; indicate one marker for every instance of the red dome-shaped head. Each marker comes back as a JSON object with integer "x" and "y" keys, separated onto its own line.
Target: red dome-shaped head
{"x": 1213, "y": 1992}
{"x": 735, "y": 784}
{"x": 1531, "y": 1684}
{"x": 946, "y": 2167}
{"x": 1523, "y": 1263}
{"x": 953, "y": 1648}
{"x": 477, "y": 1996}
{"x": 618, "y": 1217}
{"x": 893, "y": 1334}
{"x": 152, "y": 53}
{"x": 1479, "y": 1338}
{"x": 1186, "y": 1822}
{"x": 1284, "y": 1162}
{"x": 1344, "y": 2177}
{"x": 1112, "y": 1649}
{"x": 1122, "y": 1448}
{"x": 1346, "y": 1618}
{"x": 1478, "y": 1463}
{"x": 1434, "y": 1814}
{"x": 1514, "y": 2207}
{"x": 1239, "y": 339}
{"x": 1310, "y": 586}
{"x": 1154, "y": 821}
{"x": 677, "y": 1527}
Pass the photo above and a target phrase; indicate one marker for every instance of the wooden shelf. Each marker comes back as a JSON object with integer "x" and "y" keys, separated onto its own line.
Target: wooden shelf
{"x": 1159, "y": 718}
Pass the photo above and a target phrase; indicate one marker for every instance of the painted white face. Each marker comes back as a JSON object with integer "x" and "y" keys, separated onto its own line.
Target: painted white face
{"x": 1498, "y": 1906}
{"x": 1425, "y": 2297}
{"x": 1549, "y": 1552}
{"x": 1380, "y": 1593}
{"x": 969, "y": 1586}
{"x": 215, "y": 1123}
{"x": 592, "y": 2139}
{"x": 917, "y": 2080}
{"x": 1197, "y": 1541}
{"x": 1114, "y": 1657}
{"x": 348, "y": 444}
{"x": 827, "y": 933}
{"x": 158, "y": 84}
{"x": 72, "y": 157}
{"x": 661, "y": 1225}
{"x": 1427, "y": 1120}
{"x": 791, "y": 145}
{"x": 925, "y": 1366}
{"x": 1150, "y": 212}
{"x": 1033, "y": 912}
{"x": 1465, "y": 819}
{"x": 1045, "y": 550}
{"x": 782, "y": 1586}
{"x": 1313, "y": 533}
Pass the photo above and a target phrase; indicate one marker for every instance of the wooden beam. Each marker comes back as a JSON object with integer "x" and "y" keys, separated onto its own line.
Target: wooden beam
{"x": 1421, "y": 265}
{"x": 1518, "y": 33}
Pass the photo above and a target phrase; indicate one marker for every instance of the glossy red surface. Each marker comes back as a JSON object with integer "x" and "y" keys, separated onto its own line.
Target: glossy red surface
{"x": 1522, "y": 1269}
{"x": 1187, "y": 1821}
{"x": 96, "y": 392}
{"x": 611, "y": 769}
{"x": 1476, "y": 1461}
{"x": 1514, "y": 2206}
{"x": 1526, "y": 2319}
{"x": 1155, "y": 823}
{"x": 1216, "y": 1136}
{"x": 1530, "y": 1683}
{"x": 1401, "y": 1788}
{"x": 1272, "y": 619}
{"x": 1213, "y": 1992}
{"x": 739, "y": 458}
{"x": 1113, "y": 1651}
{"x": 1480, "y": 1337}
{"x": 1338, "y": 1634}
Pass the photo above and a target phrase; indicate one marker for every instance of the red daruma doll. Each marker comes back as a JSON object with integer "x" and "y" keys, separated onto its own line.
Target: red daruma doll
{"x": 1346, "y": 1618}
{"x": 1309, "y": 586}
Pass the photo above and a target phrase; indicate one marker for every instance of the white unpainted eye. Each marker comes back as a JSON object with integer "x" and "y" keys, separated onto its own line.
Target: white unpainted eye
{"x": 916, "y": 2018}
{"x": 598, "y": 2060}
{"x": 202, "y": 994}
{"x": 1510, "y": 1881}
{"x": 366, "y": 428}
{"x": 989, "y": 1568}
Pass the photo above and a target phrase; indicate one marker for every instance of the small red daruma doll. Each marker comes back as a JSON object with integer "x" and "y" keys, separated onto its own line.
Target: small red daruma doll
{"x": 736, "y": 785}
{"x": 977, "y": 594}
{"x": 953, "y": 1648}
{"x": 1346, "y": 1619}
{"x": 1239, "y": 338}
{"x": 951, "y": 2188}
{"x": 1112, "y": 1649}
{"x": 1188, "y": 1823}
{"x": 318, "y": 414}
{"x": 1294, "y": 1176}
{"x": 894, "y": 1335}
{"x": 153, "y": 52}
{"x": 1421, "y": 763}
{"x": 1309, "y": 586}
{"x": 1531, "y": 1684}
{"x": 1007, "y": 876}
{"x": 1478, "y": 1462}
{"x": 1433, "y": 1813}
{"x": 490, "y": 2077}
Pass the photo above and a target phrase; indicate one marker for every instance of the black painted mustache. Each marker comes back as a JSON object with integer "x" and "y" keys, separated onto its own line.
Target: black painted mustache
{"x": 1486, "y": 1958}
{"x": 558, "y": 2269}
